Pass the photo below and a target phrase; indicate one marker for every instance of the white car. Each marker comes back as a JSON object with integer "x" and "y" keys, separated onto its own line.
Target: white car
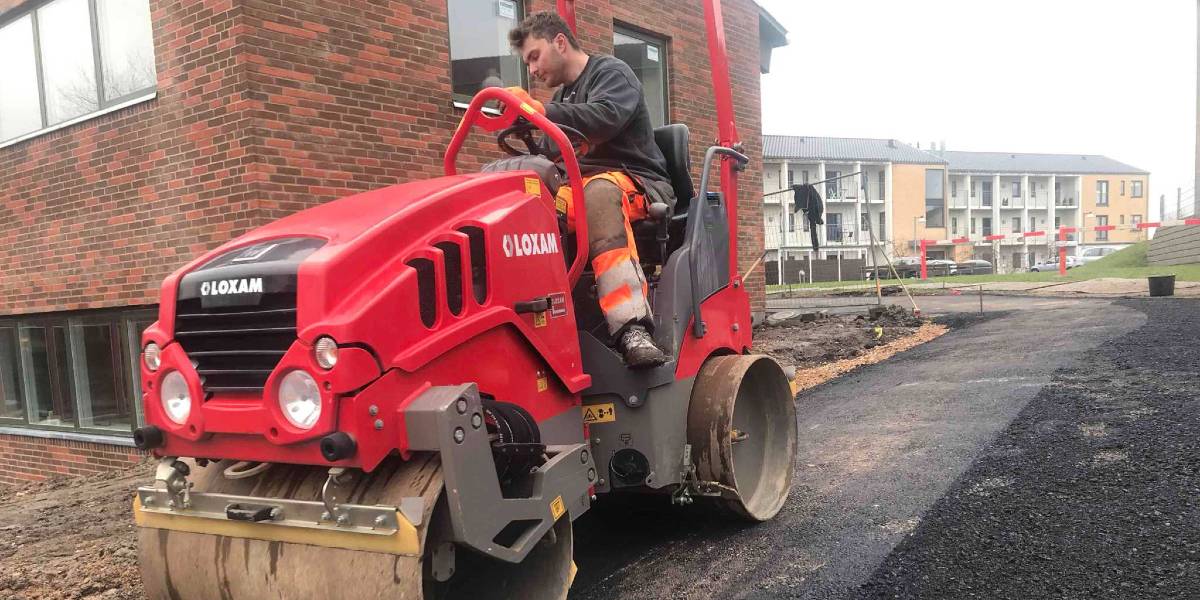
{"x": 1095, "y": 254}
{"x": 1052, "y": 264}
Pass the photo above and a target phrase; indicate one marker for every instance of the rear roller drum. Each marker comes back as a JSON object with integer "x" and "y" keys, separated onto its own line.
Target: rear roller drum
{"x": 183, "y": 565}
{"x": 742, "y": 430}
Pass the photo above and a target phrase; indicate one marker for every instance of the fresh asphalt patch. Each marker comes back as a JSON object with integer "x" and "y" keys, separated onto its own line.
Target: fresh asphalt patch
{"x": 1093, "y": 491}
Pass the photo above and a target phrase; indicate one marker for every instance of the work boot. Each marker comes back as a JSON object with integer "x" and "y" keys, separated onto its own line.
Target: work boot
{"x": 640, "y": 351}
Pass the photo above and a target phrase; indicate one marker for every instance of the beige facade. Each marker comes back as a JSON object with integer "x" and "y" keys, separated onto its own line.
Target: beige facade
{"x": 1124, "y": 208}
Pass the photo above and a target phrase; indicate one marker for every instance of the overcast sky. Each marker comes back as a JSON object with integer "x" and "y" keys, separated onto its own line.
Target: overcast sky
{"x": 1111, "y": 77}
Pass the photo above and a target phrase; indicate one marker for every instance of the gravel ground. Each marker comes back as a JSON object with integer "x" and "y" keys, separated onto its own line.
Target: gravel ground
{"x": 1091, "y": 492}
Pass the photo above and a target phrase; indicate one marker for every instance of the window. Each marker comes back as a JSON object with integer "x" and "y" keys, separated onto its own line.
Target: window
{"x": 77, "y": 372}
{"x": 882, "y": 227}
{"x": 935, "y": 198}
{"x": 791, "y": 177}
{"x": 1016, "y": 189}
{"x": 1135, "y": 220}
{"x": 831, "y": 186}
{"x": 954, "y": 225}
{"x": 1122, "y": 219}
{"x": 987, "y": 226}
{"x": 953, "y": 188}
{"x": 1102, "y": 193}
{"x": 12, "y": 400}
{"x": 647, "y": 56}
{"x": 1137, "y": 189}
{"x": 987, "y": 193}
{"x": 804, "y": 176}
{"x": 1057, "y": 222}
{"x": 833, "y": 227}
{"x": 63, "y": 61}
{"x": 1057, "y": 193}
{"x": 972, "y": 190}
{"x": 1101, "y": 220}
{"x": 480, "y": 56}
{"x": 882, "y": 187}
{"x": 1122, "y": 187}
{"x": 1016, "y": 225}
{"x": 790, "y": 218}
{"x": 972, "y": 226}
{"x": 864, "y": 223}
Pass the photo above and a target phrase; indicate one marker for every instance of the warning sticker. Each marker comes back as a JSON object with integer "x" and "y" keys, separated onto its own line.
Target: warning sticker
{"x": 558, "y": 305}
{"x": 543, "y": 384}
{"x": 533, "y": 186}
{"x": 599, "y": 413}
{"x": 539, "y": 319}
{"x": 557, "y": 509}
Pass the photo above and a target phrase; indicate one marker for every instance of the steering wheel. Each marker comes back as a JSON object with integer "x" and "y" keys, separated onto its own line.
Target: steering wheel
{"x": 524, "y": 130}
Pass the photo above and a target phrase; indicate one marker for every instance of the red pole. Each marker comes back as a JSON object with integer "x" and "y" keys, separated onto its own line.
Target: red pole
{"x": 924, "y": 267}
{"x": 1062, "y": 252}
{"x": 718, "y": 62}
{"x": 566, "y": 10}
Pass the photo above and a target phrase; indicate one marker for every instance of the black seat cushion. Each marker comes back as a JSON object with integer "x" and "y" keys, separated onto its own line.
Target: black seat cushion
{"x": 673, "y": 141}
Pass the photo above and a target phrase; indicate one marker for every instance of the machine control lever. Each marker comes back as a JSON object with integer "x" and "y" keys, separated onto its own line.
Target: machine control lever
{"x": 536, "y": 305}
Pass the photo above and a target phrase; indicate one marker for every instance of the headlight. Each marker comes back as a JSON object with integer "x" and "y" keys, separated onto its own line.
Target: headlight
{"x": 326, "y": 352}
{"x": 152, "y": 354}
{"x": 176, "y": 400}
{"x": 300, "y": 399}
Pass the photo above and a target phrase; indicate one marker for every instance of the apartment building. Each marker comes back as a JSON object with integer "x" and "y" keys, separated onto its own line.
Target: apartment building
{"x": 870, "y": 186}
{"x": 901, "y": 194}
{"x": 1000, "y": 193}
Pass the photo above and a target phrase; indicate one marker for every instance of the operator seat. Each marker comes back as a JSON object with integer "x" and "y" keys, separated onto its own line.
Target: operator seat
{"x": 654, "y": 235}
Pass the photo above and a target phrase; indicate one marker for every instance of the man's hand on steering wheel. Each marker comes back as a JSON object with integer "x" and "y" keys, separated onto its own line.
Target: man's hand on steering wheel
{"x": 523, "y": 130}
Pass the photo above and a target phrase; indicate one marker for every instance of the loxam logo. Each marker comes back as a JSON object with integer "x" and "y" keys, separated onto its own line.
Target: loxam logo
{"x": 529, "y": 244}
{"x": 221, "y": 287}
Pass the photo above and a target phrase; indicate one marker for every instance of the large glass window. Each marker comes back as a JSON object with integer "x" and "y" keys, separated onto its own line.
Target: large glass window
{"x": 1137, "y": 189}
{"x": 20, "y": 101}
{"x": 647, "y": 56}
{"x": 77, "y": 372}
{"x": 480, "y": 56}
{"x": 935, "y": 198}
{"x": 67, "y": 59}
{"x": 12, "y": 401}
{"x": 1102, "y": 193}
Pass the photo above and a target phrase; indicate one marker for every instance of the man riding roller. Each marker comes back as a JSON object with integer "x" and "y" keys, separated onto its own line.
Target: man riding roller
{"x": 602, "y": 99}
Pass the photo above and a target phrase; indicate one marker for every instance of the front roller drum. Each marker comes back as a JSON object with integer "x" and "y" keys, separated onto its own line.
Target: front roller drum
{"x": 742, "y": 432}
{"x": 183, "y": 564}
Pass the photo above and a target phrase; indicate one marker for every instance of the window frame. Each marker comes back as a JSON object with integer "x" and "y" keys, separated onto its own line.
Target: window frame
{"x": 126, "y": 340}
{"x": 1138, "y": 189}
{"x": 1101, "y": 192}
{"x": 104, "y": 105}
{"x": 664, "y": 59}
{"x": 522, "y": 12}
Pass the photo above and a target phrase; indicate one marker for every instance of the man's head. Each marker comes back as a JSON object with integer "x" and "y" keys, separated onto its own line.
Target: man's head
{"x": 549, "y": 48}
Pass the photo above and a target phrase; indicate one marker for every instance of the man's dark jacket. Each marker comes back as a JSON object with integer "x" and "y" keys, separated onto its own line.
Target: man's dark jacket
{"x": 606, "y": 104}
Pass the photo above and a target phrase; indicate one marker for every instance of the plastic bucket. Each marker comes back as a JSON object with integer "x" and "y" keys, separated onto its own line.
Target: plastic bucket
{"x": 1162, "y": 285}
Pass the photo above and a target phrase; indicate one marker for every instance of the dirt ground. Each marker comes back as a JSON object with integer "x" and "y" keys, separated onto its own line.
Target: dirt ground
{"x": 830, "y": 338}
{"x": 73, "y": 538}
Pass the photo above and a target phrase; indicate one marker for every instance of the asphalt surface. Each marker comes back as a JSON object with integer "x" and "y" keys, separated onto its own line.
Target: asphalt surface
{"x": 878, "y": 448}
{"x": 1092, "y": 492}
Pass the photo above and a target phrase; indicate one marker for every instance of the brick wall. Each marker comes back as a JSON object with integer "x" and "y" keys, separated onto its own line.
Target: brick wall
{"x": 24, "y": 458}
{"x": 266, "y": 107}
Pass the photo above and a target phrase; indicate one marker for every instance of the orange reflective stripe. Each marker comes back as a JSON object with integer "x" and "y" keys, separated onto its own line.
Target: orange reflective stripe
{"x": 614, "y": 298}
{"x": 607, "y": 260}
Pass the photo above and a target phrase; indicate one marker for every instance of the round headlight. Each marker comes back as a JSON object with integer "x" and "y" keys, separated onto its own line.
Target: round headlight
{"x": 326, "y": 352}
{"x": 152, "y": 354}
{"x": 176, "y": 400}
{"x": 300, "y": 399}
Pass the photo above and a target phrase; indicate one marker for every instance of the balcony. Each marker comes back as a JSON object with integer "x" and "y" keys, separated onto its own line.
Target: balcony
{"x": 1065, "y": 203}
{"x": 841, "y": 191}
{"x": 1017, "y": 202}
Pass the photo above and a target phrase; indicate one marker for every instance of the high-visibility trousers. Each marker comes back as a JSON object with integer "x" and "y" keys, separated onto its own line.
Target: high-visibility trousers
{"x": 620, "y": 280}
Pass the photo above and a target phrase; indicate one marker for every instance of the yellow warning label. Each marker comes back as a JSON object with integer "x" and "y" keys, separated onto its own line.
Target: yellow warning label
{"x": 599, "y": 413}
{"x": 533, "y": 186}
{"x": 543, "y": 384}
{"x": 527, "y": 108}
{"x": 539, "y": 319}
{"x": 557, "y": 509}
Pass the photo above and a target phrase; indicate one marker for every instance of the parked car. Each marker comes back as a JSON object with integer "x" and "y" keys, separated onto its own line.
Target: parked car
{"x": 939, "y": 267}
{"x": 974, "y": 267}
{"x": 1052, "y": 264}
{"x": 1095, "y": 254}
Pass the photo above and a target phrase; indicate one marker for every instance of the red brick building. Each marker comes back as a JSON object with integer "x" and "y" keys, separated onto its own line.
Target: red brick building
{"x": 135, "y": 134}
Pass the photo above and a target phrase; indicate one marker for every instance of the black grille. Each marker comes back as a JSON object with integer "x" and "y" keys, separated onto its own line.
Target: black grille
{"x": 235, "y": 348}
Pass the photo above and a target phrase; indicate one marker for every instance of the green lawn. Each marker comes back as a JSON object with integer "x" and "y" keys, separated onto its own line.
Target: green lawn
{"x": 1129, "y": 263}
